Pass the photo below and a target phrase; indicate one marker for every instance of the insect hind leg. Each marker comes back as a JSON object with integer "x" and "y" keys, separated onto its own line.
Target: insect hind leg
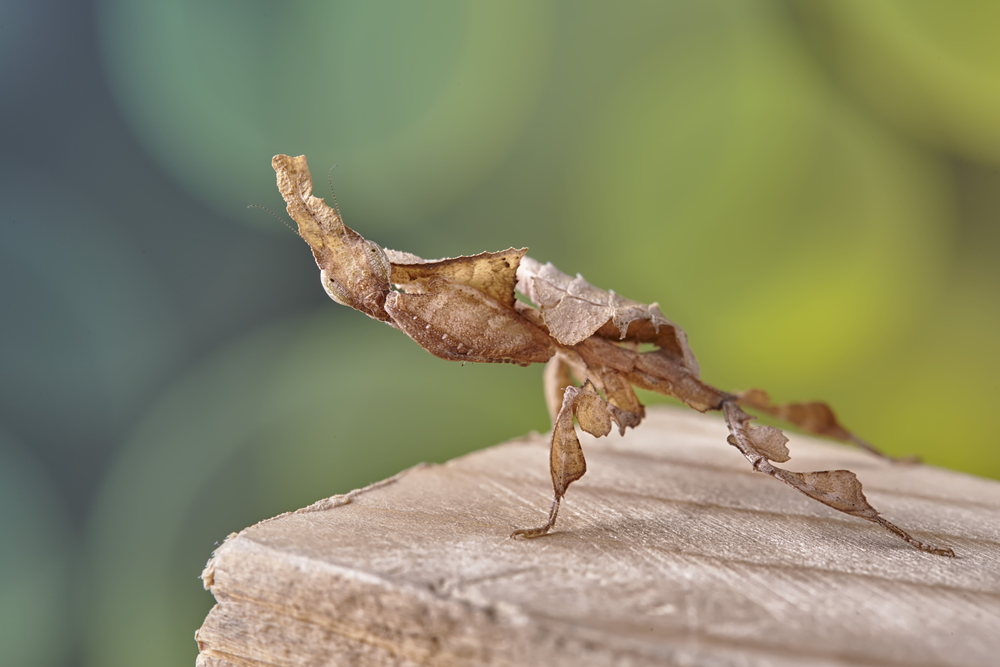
{"x": 814, "y": 417}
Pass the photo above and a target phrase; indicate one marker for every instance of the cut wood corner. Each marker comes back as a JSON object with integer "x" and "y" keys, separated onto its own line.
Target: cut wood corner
{"x": 669, "y": 551}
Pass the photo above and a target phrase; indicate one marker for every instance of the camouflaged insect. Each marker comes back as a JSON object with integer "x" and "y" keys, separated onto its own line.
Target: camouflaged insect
{"x": 464, "y": 309}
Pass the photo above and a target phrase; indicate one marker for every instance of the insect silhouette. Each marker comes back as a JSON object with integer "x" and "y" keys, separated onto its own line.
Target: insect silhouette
{"x": 464, "y": 309}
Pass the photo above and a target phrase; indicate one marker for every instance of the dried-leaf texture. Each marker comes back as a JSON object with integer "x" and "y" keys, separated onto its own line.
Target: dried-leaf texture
{"x": 770, "y": 442}
{"x": 840, "y": 489}
{"x": 813, "y": 416}
{"x": 493, "y": 273}
{"x": 575, "y": 310}
{"x": 595, "y": 415}
{"x": 566, "y": 461}
{"x": 464, "y": 309}
{"x": 354, "y": 271}
{"x": 460, "y": 323}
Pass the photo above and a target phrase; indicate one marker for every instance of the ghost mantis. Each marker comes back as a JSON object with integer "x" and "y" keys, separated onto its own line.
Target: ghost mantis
{"x": 464, "y": 309}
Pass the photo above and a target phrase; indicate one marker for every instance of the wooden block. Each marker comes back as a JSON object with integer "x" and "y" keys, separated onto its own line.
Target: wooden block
{"x": 669, "y": 551}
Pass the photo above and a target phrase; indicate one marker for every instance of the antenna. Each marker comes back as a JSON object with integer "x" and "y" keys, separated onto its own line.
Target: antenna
{"x": 329, "y": 179}
{"x": 276, "y": 218}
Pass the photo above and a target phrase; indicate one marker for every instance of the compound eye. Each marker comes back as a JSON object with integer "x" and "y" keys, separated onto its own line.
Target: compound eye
{"x": 377, "y": 261}
{"x": 334, "y": 289}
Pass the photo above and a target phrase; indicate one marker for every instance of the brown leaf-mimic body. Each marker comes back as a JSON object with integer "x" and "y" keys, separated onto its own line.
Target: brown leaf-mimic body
{"x": 464, "y": 309}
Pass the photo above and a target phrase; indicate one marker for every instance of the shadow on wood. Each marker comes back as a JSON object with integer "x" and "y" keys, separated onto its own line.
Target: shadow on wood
{"x": 669, "y": 551}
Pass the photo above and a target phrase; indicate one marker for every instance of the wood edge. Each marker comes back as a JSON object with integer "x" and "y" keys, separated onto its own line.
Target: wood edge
{"x": 333, "y": 502}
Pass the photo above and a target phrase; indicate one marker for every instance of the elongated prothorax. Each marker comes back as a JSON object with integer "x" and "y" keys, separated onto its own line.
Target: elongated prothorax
{"x": 354, "y": 271}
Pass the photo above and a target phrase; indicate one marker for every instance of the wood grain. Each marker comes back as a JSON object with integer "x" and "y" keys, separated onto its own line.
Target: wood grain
{"x": 670, "y": 551}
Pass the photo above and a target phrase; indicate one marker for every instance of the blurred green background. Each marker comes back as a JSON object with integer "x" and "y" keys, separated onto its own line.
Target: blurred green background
{"x": 811, "y": 189}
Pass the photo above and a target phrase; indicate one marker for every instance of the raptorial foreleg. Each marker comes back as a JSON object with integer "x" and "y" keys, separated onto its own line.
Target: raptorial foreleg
{"x": 555, "y": 378}
{"x": 566, "y": 460}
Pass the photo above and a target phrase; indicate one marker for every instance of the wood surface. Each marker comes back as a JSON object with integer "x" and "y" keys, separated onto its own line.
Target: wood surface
{"x": 670, "y": 551}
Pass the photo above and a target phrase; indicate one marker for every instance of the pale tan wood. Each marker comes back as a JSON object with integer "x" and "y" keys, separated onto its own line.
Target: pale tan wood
{"x": 669, "y": 551}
